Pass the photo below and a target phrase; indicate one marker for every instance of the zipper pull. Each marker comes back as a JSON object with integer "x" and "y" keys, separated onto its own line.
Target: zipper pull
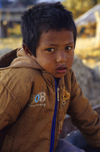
{"x": 57, "y": 94}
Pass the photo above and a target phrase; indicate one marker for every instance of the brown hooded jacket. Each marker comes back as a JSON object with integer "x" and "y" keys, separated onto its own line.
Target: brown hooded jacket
{"x": 27, "y": 101}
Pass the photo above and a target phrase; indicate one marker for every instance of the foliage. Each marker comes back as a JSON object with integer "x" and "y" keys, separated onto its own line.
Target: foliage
{"x": 14, "y": 31}
{"x": 78, "y": 7}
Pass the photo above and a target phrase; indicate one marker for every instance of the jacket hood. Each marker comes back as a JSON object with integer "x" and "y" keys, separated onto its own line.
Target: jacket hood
{"x": 18, "y": 58}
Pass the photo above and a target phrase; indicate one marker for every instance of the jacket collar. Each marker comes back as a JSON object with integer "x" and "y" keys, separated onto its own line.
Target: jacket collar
{"x": 23, "y": 60}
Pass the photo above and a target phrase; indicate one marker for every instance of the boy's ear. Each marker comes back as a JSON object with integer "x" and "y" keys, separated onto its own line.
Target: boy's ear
{"x": 27, "y": 51}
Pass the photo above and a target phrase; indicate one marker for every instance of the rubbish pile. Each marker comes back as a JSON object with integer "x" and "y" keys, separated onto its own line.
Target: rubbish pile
{"x": 89, "y": 80}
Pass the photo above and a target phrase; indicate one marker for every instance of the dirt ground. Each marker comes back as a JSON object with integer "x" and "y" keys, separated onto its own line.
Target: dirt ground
{"x": 86, "y": 64}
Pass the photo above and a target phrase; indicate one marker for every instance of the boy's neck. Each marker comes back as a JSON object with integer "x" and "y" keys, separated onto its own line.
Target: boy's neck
{"x": 57, "y": 80}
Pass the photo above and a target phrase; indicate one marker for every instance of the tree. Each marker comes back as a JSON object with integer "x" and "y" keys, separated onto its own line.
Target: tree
{"x": 79, "y": 7}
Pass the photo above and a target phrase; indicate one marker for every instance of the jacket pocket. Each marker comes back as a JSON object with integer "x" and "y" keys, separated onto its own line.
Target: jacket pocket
{"x": 7, "y": 144}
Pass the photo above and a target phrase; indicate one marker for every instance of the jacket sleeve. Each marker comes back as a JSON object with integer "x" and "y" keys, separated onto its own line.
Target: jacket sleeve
{"x": 83, "y": 116}
{"x": 14, "y": 95}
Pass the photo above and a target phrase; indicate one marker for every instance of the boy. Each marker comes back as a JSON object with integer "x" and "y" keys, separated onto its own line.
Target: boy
{"x": 38, "y": 87}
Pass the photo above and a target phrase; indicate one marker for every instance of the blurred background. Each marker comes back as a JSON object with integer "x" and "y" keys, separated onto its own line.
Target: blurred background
{"x": 86, "y": 14}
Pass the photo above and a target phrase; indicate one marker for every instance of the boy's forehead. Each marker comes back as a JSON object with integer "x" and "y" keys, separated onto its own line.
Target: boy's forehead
{"x": 55, "y": 36}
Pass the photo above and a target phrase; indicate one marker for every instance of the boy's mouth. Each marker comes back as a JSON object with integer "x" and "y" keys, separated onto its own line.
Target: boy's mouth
{"x": 61, "y": 69}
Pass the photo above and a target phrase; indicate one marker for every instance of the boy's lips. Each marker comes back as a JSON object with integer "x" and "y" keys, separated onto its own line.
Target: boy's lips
{"x": 61, "y": 69}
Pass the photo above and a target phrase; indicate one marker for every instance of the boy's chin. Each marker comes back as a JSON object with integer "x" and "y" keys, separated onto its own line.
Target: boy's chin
{"x": 59, "y": 76}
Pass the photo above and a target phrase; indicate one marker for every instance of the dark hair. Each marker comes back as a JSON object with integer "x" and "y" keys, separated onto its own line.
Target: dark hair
{"x": 42, "y": 18}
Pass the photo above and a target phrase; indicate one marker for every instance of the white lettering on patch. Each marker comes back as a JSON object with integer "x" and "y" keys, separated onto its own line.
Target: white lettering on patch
{"x": 38, "y": 100}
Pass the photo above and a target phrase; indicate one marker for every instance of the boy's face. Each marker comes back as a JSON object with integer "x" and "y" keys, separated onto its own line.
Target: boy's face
{"x": 55, "y": 52}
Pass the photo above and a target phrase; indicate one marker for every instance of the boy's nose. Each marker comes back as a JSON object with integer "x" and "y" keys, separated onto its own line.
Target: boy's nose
{"x": 61, "y": 57}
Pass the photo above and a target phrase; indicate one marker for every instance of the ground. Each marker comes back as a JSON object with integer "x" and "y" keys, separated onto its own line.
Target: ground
{"x": 87, "y": 68}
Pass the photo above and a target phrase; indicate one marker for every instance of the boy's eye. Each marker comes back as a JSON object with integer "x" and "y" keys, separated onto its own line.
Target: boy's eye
{"x": 50, "y": 49}
{"x": 68, "y": 48}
